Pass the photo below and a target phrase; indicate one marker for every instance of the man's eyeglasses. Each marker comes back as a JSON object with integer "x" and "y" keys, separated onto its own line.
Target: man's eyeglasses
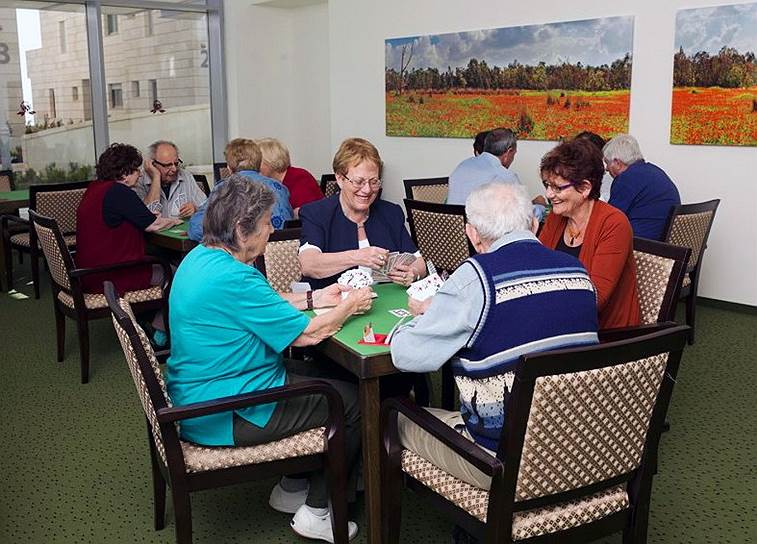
{"x": 556, "y": 189}
{"x": 176, "y": 164}
{"x": 358, "y": 184}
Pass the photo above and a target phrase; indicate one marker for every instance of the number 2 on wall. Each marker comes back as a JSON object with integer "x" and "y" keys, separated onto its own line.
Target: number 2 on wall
{"x": 204, "y": 55}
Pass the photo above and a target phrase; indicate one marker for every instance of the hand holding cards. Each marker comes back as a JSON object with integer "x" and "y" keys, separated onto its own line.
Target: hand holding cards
{"x": 425, "y": 288}
{"x": 394, "y": 259}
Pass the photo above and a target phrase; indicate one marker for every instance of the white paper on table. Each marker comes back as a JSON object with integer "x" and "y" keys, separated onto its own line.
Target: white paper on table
{"x": 321, "y": 311}
{"x": 300, "y": 287}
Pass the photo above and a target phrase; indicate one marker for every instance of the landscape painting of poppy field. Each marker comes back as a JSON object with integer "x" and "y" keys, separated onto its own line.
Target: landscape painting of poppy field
{"x": 715, "y": 76}
{"x": 546, "y": 81}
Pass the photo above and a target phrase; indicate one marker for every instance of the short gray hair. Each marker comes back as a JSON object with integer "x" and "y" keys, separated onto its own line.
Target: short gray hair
{"x": 235, "y": 201}
{"x": 153, "y": 147}
{"x": 624, "y": 148}
{"x": 496, "y": 209}
{"x": 499, "y": 140}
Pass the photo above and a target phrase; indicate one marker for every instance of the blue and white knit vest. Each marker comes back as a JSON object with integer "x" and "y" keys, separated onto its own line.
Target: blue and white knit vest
{"x": 535, "y": 299}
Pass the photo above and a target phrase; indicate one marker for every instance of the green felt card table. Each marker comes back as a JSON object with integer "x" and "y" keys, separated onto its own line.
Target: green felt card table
{"x": 174, "y": 239}
{"x": 11, "y": 201}
{"x": 369, "y": 363}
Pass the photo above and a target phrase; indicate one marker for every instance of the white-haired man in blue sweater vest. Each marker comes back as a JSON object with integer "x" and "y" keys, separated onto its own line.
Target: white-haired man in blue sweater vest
{"x": 514, "y": 297}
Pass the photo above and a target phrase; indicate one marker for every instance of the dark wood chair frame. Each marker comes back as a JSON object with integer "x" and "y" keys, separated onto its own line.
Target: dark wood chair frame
{"x": 34, "y": 252}
{"x": 202, "y": 183}
{"x": 80, "y": 313}
{"x": 681, "y": 257}
{"x": 217, "y": 167}
{"x": 689, "y": 293}
{"x": 174, "y": 472}
{"x": 328, "y": 180}
{"x": 277, "y": 236}
{"x": 505, "y": 466}
{"x": 411, "y": 183}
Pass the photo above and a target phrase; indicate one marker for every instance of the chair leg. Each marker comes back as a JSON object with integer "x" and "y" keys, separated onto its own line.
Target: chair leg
{"x": 158, "y": 488}
{"x": 335, "y": 472}
{"x": 34, "y": 258}
{"x": 691, "y": 310}
{"x": 83, "y": 327}
{"x": 182, "y": 514}
{"x": 60, "y": 331}
{"x": 8, "y": 264}
{"x": 20, "y": 257}
{"x": 391, "y": 500}
{"x": 636, "y": 532}
{"x": 448, "y": 387}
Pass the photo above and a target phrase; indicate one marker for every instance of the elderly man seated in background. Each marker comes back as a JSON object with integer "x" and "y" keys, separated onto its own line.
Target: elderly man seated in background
{"x": 243, "y": 157}
{"x": 276, "y": 164}
{"x": 165, "y": 187}
{"x": 641, "y": 190}
{"x": 514, "y": 297}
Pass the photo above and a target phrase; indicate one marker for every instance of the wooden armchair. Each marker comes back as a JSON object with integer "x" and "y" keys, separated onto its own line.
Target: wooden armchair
{"x": 7, "y": 181}
{"x": 69, "y": 298}
{"x": 202, "y": 183}
{"x": 660, "y": 271}
{"x": 576, "y": 455}
{"x": 280, "y": 262}
{"x": 689, "y": 226}
{"x": 58, "y": 201}
{"x": 427, "y": 189}
{"x": 329, "y": 186}
{"x": 220, "y": 171}
{"x": 188, "y": 467}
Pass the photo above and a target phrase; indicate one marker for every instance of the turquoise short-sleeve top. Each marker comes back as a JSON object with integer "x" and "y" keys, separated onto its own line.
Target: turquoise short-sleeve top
{"x": 228, "y": 330}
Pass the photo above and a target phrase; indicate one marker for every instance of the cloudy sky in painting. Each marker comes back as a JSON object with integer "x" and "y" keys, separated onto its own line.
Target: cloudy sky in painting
{"x": 709, "y": 29}
{"x": 592, "y": 42}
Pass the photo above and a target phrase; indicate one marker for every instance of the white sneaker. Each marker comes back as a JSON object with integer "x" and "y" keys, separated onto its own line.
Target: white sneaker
{"x": 306, "y": 523}
{"x": 287, "y": 502}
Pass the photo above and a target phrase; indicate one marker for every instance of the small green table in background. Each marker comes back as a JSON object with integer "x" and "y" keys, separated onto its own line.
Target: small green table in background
{"x": 10, "y": 201}
{"x": 174, "y": 239}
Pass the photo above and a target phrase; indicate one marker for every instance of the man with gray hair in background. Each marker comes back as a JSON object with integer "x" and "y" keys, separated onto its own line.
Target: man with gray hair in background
{"x": 641, "y": 190}
{"x": 514, "y": 297}
{"x": 165, "y": 187}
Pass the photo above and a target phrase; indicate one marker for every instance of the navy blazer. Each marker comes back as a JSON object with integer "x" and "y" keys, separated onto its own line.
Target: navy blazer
{"x": 325, "y": 226}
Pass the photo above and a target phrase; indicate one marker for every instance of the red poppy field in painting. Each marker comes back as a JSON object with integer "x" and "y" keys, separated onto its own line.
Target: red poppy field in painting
{"x": 533, "y": 114}
{"x": 714, "y": 116}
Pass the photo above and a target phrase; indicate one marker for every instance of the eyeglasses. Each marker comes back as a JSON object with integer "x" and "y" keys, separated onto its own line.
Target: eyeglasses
{"x": 358, "y": 184}
{"x": 176, "y": 164}
{"x": 556, "y": 189}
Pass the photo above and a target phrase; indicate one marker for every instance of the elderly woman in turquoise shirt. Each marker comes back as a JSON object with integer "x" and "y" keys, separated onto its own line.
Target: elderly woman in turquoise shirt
{"x": 229, "y": 328}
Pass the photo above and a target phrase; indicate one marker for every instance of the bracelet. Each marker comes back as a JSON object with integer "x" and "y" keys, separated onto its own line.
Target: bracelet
{"x": 309, "y": 297}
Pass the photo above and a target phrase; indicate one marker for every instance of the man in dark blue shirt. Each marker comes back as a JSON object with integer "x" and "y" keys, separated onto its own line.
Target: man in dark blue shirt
{"x": 643, "y": 191}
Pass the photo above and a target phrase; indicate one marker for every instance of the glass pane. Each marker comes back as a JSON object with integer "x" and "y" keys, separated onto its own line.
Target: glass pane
{"x": 45, "y": 107}
{"x": 157, "y": 79}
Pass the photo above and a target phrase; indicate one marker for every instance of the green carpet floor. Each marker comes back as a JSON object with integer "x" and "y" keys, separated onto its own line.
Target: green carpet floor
{"x": 75, "y": 464}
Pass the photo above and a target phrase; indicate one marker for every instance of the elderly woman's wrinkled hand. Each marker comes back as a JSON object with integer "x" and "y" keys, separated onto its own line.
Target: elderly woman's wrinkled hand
{"x": 329, "y": 296}
{"x": 360, "y": 299}
{"x": 402, "y": 274}
{"x": 418, "y": 307}
{"x": 371, "y": 256}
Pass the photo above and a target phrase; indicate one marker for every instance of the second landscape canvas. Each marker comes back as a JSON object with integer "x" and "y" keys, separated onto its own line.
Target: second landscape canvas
{"x": 545, "y": 81}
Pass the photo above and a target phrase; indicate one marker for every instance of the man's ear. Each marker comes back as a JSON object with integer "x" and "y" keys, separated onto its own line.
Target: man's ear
{"x": 473, "y": 236}
{"x": 534, "y": 224}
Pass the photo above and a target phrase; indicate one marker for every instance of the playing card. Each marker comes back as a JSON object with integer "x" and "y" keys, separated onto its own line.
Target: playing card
{"x": 399, "y": 312}
{"x": 425, "y": 288}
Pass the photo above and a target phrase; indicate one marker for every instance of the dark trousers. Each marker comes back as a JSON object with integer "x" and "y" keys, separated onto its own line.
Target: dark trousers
{"x": 298, "y": 414}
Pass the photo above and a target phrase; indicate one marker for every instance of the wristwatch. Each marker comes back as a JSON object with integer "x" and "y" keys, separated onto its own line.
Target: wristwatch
{"x": 309, "y": 295}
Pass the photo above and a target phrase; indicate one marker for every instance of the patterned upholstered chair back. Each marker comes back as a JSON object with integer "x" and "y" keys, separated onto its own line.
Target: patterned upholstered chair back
{"x": 427, "y": 189}
{"x": 439, "y": 232}
{"x": 690, "y": 227}
{"x": 329, "y": 186}
{"x": 587, "y": 427}
{"x": 281, "y": 263}
{"x": 54, "y": 247}
{"x": 659, "y": 274}
{"x": 6, "y": 181}
{"x": 220, "y": 171}
{"x": 59, "y": 202}
{"x": 143, "y": 366}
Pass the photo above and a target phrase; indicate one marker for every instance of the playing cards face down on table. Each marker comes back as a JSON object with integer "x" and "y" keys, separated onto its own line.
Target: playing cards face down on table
{"x": 425, "y": 288}
{"x": 395, "y": 258}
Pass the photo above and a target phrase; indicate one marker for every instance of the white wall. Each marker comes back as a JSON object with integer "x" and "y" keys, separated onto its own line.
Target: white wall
{"x": 357, "y": 31}
{"x": 277, "y": 56}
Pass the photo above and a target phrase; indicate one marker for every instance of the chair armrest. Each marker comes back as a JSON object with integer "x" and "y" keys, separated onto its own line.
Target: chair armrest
{"x": 624, "y": 333}
{"x": 80, "y": 272}
{"x": 468, "y": 450}
{"x": 245, "y": 400}
{"x": 7, "y": 218}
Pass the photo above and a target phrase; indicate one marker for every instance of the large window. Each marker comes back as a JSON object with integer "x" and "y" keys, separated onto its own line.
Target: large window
{"x": 51, "y": 139}
{"x": 154, "y": 80}
{"x": 173, "y": 59}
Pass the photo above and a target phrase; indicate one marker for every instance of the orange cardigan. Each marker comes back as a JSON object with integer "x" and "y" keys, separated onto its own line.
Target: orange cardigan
{"x": 607, "y": 254}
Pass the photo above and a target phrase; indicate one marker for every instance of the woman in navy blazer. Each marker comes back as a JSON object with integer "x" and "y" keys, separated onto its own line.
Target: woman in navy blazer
{"x": 354, "y": 228}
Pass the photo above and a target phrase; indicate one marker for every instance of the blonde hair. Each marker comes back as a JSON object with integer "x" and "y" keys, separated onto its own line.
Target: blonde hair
{"x": 242, "y": 154}
{"x": 275, "y": 154}
{"x": 352, "y": 152}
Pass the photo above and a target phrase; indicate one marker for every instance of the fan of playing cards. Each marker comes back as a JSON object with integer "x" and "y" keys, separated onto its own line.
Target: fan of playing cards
{"x": 395, "y": 258}
{"x": 425, "y": 288}
{"x": 355, "y": 278}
